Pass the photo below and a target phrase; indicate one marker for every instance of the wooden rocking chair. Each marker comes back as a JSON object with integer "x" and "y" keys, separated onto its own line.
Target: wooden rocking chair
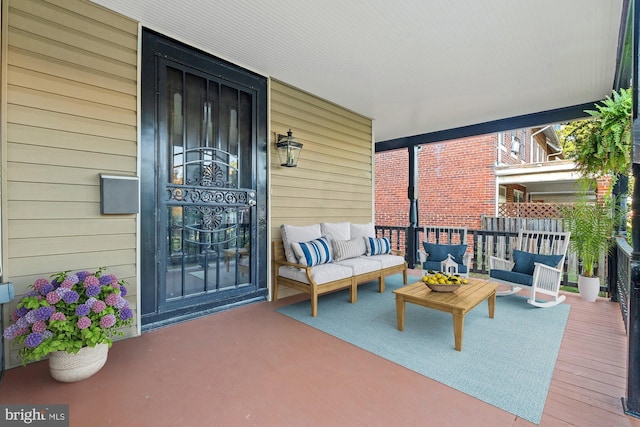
{"x": 537, "y": 263}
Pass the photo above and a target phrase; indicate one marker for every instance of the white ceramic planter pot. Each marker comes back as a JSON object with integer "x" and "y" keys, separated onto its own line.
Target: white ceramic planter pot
{"x": 589, "y": 288}
{"x": 69, "y": 367}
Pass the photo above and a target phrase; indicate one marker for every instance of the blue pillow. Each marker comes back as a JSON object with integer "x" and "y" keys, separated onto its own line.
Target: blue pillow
{"x": 313, "y": 253}
{"x": 377, "y": 246}
{"x": 524, "y": 261}
{"x": 438, "y": 253}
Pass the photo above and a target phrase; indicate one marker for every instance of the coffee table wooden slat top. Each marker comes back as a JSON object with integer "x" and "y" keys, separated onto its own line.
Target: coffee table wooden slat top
{"x": 457, "y": 303}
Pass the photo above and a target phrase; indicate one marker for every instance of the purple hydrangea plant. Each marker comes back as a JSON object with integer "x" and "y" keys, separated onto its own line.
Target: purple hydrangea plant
{"x": 68, "y": 312}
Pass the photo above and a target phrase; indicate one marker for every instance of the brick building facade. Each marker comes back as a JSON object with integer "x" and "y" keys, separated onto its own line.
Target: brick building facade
{"x": 457, "y": 178}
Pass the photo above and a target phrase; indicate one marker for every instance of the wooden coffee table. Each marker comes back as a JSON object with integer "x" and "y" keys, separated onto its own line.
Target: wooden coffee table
{"x": 458, "y": 303}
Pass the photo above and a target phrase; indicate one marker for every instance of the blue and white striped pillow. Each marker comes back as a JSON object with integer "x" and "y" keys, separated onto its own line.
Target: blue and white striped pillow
{"x": 312, "y": 253}
{"x": 377, "y": 246}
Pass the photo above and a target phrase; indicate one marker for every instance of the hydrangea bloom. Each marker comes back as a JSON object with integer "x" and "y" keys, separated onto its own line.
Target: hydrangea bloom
{"x": 84, "y": 322}
{"x": 22, "y": 322}
{"x": 33, "y": 339}
{"x": 112, "y": 299}
{"x": 58, "y": 316}
{"x": 31, "y": 317}
{"x": 123, "y": 291}
{"x": 39, "y": 283}
{"x": 81, "y": 275}
{"x": 92, "y": 290}
{"x": 53, "y": 297}
{"x": 108, "y": 321}
{"x": 11, "y": 332}
{"x": 126, "y": 313}
{"x": 91, "y": 301}
{"x": 91, "y": 281}
{"x": 107, "y": 279}
{"x": 70, "y": 297}
{"x": 43, "y": 313}
{"x": 98, "y": 306}
{"x": 82, "y": 310}
{"x": 39, "y": 326}
{"x": 46, "y": 289}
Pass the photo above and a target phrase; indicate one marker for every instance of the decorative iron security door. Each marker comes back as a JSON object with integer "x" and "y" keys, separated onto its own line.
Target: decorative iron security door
{"x": 206, "y": 192}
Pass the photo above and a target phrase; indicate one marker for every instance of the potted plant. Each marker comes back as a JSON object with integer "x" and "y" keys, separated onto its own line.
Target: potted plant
{"x": 72, "y": 316}
{"x": 591, "y": 224}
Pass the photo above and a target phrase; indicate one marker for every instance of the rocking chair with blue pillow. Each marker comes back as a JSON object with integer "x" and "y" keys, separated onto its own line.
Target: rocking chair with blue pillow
{"x": 537, "y": 263}
{"x": 442, "y": 243}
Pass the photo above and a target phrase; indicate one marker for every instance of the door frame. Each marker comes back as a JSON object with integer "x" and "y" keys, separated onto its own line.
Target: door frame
{"x": 155, "y": 45}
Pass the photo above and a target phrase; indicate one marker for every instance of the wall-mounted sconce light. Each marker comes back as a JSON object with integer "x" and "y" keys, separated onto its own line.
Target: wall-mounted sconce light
{"x": 288, "y": 150}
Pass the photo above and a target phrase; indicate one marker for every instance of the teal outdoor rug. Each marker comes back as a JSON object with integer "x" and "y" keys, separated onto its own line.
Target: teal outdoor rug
{"x": 507, "y": 361}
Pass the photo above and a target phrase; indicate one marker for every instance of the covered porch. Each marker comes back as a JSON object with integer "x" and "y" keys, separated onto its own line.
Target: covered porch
{"x": 206, "y": 372}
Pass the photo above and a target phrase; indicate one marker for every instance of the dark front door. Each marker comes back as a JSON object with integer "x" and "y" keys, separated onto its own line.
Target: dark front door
{"x": 203, "y": 205}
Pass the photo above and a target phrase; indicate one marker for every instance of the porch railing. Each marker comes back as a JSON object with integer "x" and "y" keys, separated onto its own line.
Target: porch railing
{"x": 482, "y": 243}
{"x": 621, "y": 258}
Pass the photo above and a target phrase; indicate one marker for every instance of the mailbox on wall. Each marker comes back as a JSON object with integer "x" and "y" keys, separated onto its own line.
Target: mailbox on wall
{"x": 119, "y": 194}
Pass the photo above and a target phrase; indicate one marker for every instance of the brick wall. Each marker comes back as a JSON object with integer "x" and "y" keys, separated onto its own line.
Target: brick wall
{"x": 456, "y": 183}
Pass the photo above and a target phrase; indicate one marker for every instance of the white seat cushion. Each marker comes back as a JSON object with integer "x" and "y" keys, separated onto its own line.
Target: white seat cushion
{"x": 361, "y": 265}
{"x": 322, "y": 273}
{"x": 386, "y": 260}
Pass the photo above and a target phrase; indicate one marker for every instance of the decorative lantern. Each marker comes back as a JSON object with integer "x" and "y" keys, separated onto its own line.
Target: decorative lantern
{"x": 288, "y": 150}
{"x": 449, "y": 266}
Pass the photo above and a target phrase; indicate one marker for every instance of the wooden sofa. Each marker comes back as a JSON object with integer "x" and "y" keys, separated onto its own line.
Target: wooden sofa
{"x": 340, "y": 273}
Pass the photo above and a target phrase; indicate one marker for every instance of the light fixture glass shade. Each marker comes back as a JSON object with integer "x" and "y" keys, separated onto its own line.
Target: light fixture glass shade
{"x": 288, "y": 150}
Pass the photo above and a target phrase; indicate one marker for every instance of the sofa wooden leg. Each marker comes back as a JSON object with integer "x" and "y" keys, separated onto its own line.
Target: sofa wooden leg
{"x": 314, "y": 302}
{"x": 381, "y": 284}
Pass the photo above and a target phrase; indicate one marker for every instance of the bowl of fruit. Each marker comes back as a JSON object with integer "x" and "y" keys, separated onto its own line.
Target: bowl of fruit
{"x": 441, "y": 282}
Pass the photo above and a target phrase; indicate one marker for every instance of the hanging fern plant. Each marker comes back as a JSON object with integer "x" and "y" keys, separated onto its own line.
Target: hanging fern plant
{"x": 603, "y": 143}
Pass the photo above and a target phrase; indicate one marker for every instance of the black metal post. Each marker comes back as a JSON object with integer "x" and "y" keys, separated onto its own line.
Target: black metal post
{"x": 412, "y": 243}
{"x": 631, "y": 403}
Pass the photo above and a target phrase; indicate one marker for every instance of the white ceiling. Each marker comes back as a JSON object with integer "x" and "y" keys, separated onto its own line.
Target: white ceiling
{"x": 414, "y": 66}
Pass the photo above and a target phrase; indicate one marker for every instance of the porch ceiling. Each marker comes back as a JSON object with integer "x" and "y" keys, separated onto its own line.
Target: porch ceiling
{"x": 414, "y": 66}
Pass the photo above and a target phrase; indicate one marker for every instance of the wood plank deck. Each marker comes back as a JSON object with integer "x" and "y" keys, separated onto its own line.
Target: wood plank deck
{"x": 254, "y": 366}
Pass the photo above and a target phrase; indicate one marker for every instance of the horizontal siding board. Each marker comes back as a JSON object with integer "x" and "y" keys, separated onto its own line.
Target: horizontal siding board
{"x": 21, "y": 153}
{"x": 32, "y": 80}
{"x": 85, "y": 227}
{"x": 38, "y": 191}
{"x": 52, "y": 210}
{"x": 22, "y": 248}
{"x": 56, "y": 174}
{"x": 28, "y": 60}
{"x": 47, "y": 47}
{"x": 39, "y": 101}
{"x": 67, "y": 33}
{"x": 122, "y": 36}
{"x": 64, "y": 122}
{"x": 42, "y": 137}
{"x": 319, "y": 178}
{"x": 30, "y": 266}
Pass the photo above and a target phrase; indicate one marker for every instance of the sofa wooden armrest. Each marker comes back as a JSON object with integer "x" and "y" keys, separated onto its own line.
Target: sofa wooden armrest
{"x": 312, "y": 288}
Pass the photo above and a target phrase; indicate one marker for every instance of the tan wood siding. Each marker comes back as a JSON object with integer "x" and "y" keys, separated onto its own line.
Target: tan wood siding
{"x": 333, "y": 180}
{"x": 71, "y": 96}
